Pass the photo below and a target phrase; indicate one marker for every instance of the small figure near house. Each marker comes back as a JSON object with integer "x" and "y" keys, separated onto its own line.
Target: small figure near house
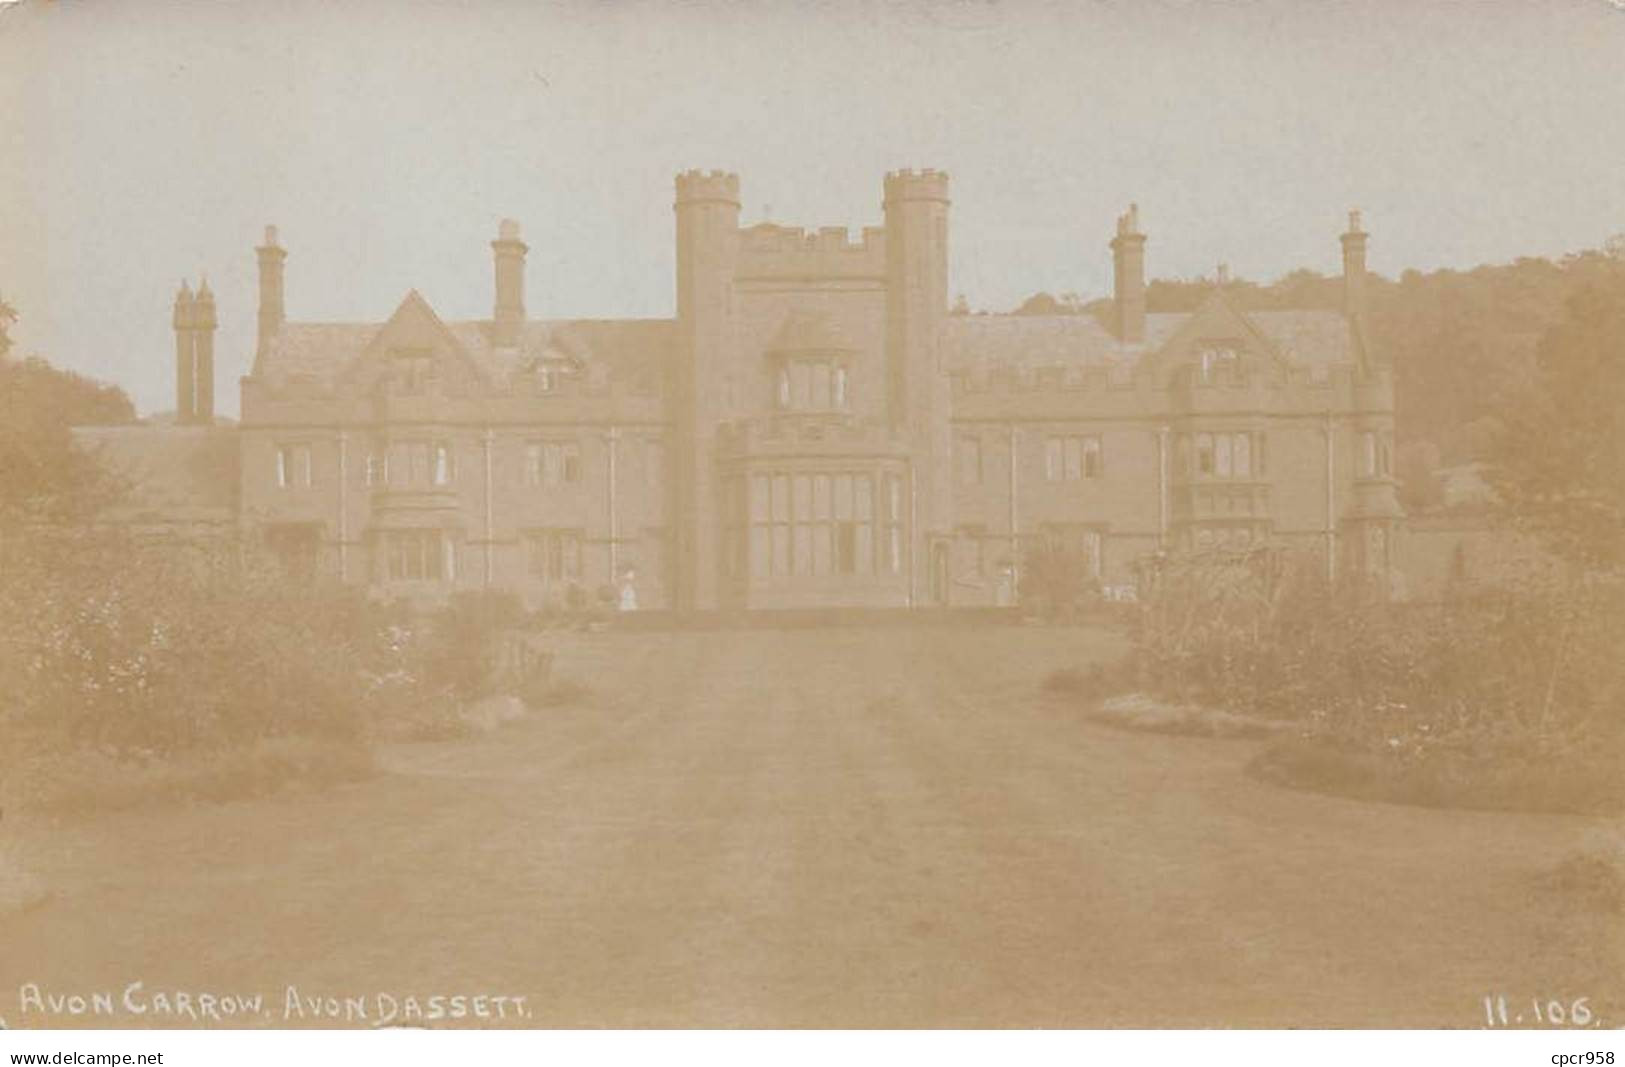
{"x": 628, "y": 590}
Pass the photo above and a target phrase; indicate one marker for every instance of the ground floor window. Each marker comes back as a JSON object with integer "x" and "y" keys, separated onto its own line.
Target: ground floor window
{"x": 1085, "y": 541}
{"x": 417, "y": 555}
{"x": 555, "y": 554}
{"x": 819, "y": 523}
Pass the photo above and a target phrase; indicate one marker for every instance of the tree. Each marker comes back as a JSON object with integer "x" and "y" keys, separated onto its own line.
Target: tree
{"x": 44, "y": 476}
{"x": 1559, "y": 464}
{"x": 8, "y": 315}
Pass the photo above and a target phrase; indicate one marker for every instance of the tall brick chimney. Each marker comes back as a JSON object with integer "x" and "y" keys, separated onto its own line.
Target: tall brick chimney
{"x": 272, "y": 314}
{"x": 1354, "y": 268}
{"x": 1128, "y": 277}
{"x": 185, "y": 406}
{"x": 508, "y": 317}
{"x": 203, "y": 326}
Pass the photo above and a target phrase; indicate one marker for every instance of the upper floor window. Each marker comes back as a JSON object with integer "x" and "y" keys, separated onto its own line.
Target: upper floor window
{"x": 1220, "y": 363}
{"x": 552, "y": 463}
{"x": 1374, "y": 456}
{"x": 411, "y": 369}
{"x": 1221, "y": 455}
{"x": 812, "y": 385}
{"x": 1068, "y": 458}
{"x": 444, "y": 465}
{"x": 293, "y": 466}
{"x": 413, "y": 463}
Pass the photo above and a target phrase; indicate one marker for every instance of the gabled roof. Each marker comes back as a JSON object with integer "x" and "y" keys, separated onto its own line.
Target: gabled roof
{"x": 1012, "y": 341}
{"x": 323, "y": 352}
{"x": 994, "y": 342}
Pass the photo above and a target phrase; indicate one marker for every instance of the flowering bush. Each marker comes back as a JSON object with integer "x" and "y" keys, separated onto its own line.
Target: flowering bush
{"x": 1527, "y": 676}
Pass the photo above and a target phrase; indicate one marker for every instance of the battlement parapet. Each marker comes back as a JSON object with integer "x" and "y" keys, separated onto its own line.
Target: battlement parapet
{"x": 770, "y": 251}
{"x": 702, "y": 186}
{"x": 925, "y": 184}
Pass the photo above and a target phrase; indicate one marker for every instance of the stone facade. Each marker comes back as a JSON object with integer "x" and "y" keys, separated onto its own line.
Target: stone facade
{"x": 813, "y": 428}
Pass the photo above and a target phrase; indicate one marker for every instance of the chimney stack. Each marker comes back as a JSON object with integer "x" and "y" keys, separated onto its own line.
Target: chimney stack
{"x": 1128, "y": 277}
{"x": 509, "y": 316}
{"x": 184, "y": 406}
{"x": 272, "y": 315}
{"x": 203, "y": 326}
{"x": 1354, "y": 268}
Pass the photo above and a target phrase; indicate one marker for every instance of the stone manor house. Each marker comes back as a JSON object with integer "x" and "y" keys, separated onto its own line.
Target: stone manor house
{"x": 812, "y": 428}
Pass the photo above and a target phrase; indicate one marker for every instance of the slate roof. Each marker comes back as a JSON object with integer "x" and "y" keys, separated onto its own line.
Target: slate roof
{"x": 627, "y": 349}
{"x": 1029, "y": 341}
{"x": 624, "y": 348}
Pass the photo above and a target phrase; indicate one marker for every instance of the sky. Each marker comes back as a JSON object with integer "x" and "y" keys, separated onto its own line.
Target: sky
{"x": 147, "y": 141}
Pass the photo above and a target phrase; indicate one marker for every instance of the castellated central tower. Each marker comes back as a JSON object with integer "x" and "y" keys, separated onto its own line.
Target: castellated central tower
{"x": 707, "y": 208}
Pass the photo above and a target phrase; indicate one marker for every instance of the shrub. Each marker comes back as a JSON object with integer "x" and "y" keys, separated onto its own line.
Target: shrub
{"x": 145, "y": 653}
{"x": 1527, "y": 680}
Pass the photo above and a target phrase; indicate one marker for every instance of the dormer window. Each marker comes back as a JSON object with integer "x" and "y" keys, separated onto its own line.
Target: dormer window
{"x": 1220, "y": 363}
{"x": 411, "y": 369}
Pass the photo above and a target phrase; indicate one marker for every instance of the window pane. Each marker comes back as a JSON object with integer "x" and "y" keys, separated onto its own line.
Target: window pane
{"x": 820, "y": 385}
{"x": 781, "y": 498}
{"x": 781, "y": 549}
{"x": 840, "y": 387}
{"x": 801, "y": 379}
{"x": 1091, "y": 457}
{"x": 1221, "y": 458}
{"x": 846, "y": 547}
{"x": 1052, "y": 459}
{"x": 759, "y": 498}
{"x": 1204, "y": 453}
{"x": 760, "y": 551}
{"x": 1074, "y": 459}
{"x": 820, "y": 496}
{"x": 804, "y": 550}
{"x": 821, "y": 538}
{"x": 863, "y": 497}
{"x": 866, "y": 552}
{"x": 843, "y": 496}
{"x": 1243, "y": 458}
{"x": 803, "y": 498}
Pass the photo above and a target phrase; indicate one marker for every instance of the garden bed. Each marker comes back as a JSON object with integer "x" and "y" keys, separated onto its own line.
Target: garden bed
{"x": 1445, "y": 780}
{"x": 80, "y": 782}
